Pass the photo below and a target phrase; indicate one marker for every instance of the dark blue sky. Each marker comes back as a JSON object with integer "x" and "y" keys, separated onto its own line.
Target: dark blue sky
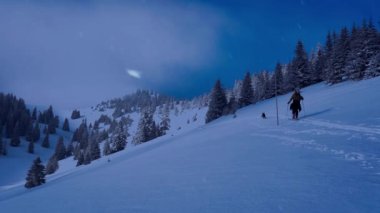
{"x": 264, "y": 32}
{"x": 77, "y": 53}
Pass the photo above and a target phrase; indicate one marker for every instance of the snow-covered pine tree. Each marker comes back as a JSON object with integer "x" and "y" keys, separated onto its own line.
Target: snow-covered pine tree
{"x": 372, "y": 51}
{"x": 237, "y": 88}
{"x": 232, "y": 105}
{"x": 86, "y": 157}
{"x": 66, "y": 126}
{"x": 299, "y": 70}
{"x": 51, "y": 127}
{"x": 246, "y": 93}
{"x": 15, "y": 140}
{"x": 146, "y": 129}
{"x": 36, "y": 174}
{"x": 328, "y": 50}
{"x": 355, "y": 63}
{"x": 25, "y": 122}
{"x": 260, "y": 86}
{"x": 76, "y": 151}
{"x": 29, "y": 132}
{"x": 120, "y": 141}
{"x": 70, "y": 149}
{"x": 56, "y": 121}
{"x": 75, "y": 114}
{"x": 267, "y": 85}
{"x": 34, "y": 114}
{"x": 218, "y": 102}
{"x": 277, "y": 80}
{"x": 36, "y": 132}
{"x": 107, "y": 148}
{"x": 80, "y": 158}
{"x": 60, "y": 149}
{"x": 317, "y": 65}
{"x": 45, "y": 142}
{"x": 339, "y": 57}
{"x": 83, "y": 135}
{"x": 52, "y": 165}
{"x": 93, "y": 147}
{"x": 165, "y": 120}
{"x": 373, "y": 69}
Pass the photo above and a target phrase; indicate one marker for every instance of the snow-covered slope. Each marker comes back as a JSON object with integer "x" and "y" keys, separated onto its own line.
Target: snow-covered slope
{"x": 329, "y": 161}
{"x": 18, "y": 161}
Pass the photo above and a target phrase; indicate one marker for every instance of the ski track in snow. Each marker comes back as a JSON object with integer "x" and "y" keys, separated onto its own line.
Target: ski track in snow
{"x": 326, "y": 128}
{"x": 353, "y": 128}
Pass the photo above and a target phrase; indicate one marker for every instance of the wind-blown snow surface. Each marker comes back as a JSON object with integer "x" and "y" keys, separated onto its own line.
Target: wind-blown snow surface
{"x": 329, "y": 161}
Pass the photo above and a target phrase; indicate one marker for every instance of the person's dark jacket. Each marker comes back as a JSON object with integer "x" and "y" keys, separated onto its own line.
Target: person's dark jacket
{"x": 296, "y": 104}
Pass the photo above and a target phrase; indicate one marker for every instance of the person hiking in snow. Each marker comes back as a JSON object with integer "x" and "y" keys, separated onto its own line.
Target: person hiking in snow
{"x": 296, "y": 103}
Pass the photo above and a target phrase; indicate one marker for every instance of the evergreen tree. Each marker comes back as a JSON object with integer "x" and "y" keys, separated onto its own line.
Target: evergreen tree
{"x": 94, "y": 149}
{"x": 45, "y": 142}
{"x": 262, "y": 86}
{"x": 29, "y": 132}
{"x": 146, "y": 129}
{"x": 103, "y": 136}
{"x": 355, "y": 62}
{"x": 76, "y": 152}
{"x": 80, "y": 158}
{"x": 87, "y": 157}
{"x": 51, "y": 127}
{"x": 318, "y": 66}
{"x": 372, "y": 42}
{"x": 373, "y": 69}
{"x": 329, "y": 47}
{"x": 232, "y": 105}
{"x": 107, "y": 148}
{"x": 165, "y": 120}
{"x": 65, "y": 126}
{"x": 36, "y": 132}
{"x": 70, "y": 150}
{"x": 268, "y": 93}
{"x": 36, "y": 174}
{"x": 49, "y": 116}
{"x": 246, "y": 93}
{"x": 278, "y": 80}
{"x": 299, "y": 72}
{"x": 52, "y": 165}
{"x": 75, "y": 114}
{"x": 34, "y": 114}
{"x": 10, "y": 125}
{"x": 120, "y": 141}
{"x": 339, "y": 57}
{"x": 60, "y": 149}
{"x": 217, "y": 103}
{"x": 15, "y": 140}
{"x": 24, "y": 122}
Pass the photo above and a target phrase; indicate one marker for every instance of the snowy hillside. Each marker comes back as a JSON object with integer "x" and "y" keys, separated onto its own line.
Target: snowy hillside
{"x": 328, "y": 161}
{"x": 181, "y": 120}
